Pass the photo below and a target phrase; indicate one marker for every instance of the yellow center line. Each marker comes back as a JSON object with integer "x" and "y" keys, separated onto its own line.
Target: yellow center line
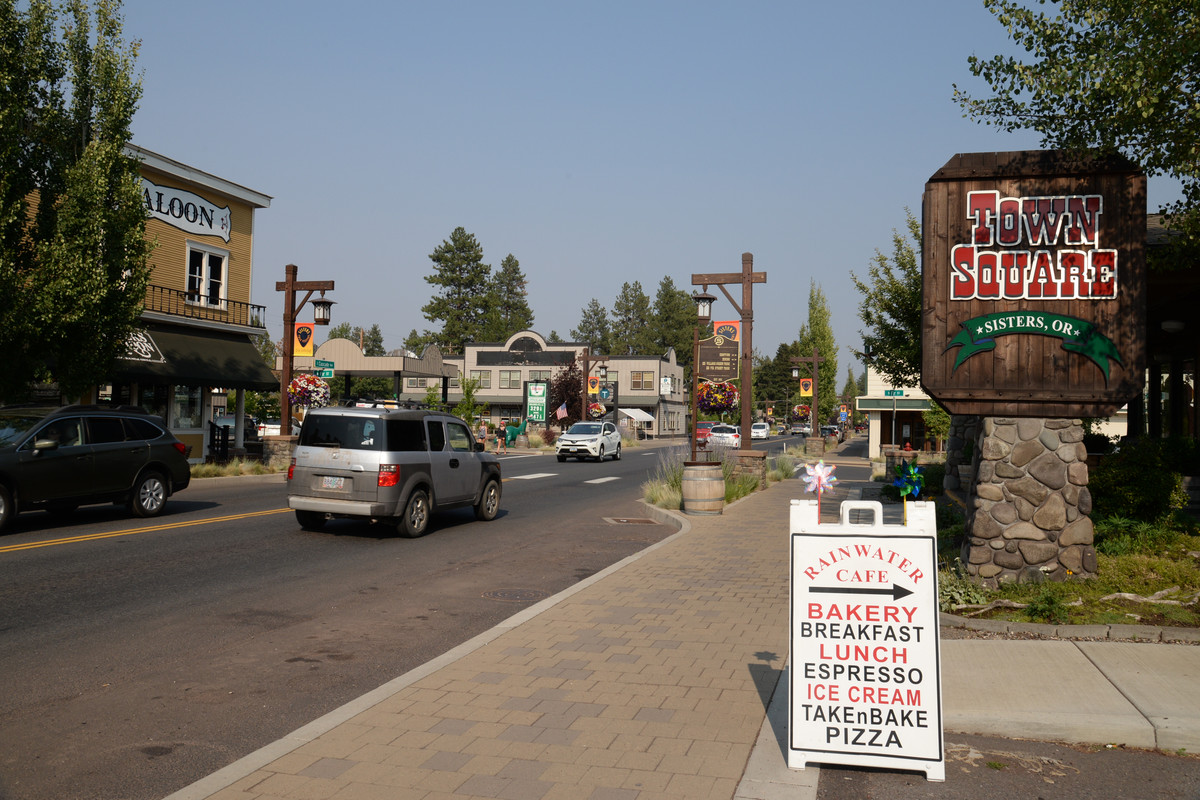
{"x": 12, "y": 548}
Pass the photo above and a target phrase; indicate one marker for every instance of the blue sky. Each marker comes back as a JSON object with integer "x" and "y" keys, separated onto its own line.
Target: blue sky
{"x": 598, "y": 143}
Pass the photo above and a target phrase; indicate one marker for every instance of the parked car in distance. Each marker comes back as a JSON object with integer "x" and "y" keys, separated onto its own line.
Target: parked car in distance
{"x": 760, "y": 430}
{"x": 249, "y": 426}
{"x": 834, "y": 431}
{"x": 388, "y": 465}
{"x": 271, "y": 427}
{"x": 802, "y": 429}
{"x": 597, "y": 440}
{"x": 60, "y": 458}
{"x": 703, "y": 429}
{"x": 725, "y": 436}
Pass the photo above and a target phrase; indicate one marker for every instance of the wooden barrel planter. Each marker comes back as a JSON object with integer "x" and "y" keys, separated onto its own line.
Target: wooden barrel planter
{"x": 703, "y": 488}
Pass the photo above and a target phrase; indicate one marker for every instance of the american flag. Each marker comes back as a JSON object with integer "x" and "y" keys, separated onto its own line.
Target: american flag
{"x": 562, "y": 411}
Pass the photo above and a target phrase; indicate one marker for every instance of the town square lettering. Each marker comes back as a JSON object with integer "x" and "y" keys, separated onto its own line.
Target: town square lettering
{"x": 1033, "y": 248}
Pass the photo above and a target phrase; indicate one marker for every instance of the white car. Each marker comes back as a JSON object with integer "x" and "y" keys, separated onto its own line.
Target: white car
{"x": 597, "y": 440}
{"x": 760, "y": 430}
{"x": 725, "y": 436}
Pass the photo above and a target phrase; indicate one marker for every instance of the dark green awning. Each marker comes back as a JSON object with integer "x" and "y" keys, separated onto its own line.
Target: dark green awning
{"x": 170, "y": 354}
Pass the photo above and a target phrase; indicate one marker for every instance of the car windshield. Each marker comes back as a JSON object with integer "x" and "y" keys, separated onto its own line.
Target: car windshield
{"x": 14, "y": 426}
{"x": 585, "y": 428}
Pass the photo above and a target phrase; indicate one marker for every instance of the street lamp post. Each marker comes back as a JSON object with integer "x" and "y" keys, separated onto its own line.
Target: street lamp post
{"x": 704, "y": 302}
{"x": 291, "y": 309}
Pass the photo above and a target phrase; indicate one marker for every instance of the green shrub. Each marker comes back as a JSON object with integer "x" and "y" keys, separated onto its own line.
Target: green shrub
{"x": 955, "y": 589}
{"x": 1141, "y": 482}
{"x": 1048, "y": 605}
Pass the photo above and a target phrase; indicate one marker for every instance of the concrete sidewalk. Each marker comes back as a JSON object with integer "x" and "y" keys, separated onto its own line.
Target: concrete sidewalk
{"x": 660, "y": 678}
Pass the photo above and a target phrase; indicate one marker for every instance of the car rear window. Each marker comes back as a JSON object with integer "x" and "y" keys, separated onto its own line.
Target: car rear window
{"x": 363, "y": 433}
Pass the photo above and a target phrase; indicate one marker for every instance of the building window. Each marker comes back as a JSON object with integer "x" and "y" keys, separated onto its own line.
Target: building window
{"x": 510, "y": 379}
{"x": 482, "y": 377}
{"x": 206, "y": 275}
{"x": 416, "y": 383}
{"x": 642, "y": 380}
{"x": 539, "y": 375}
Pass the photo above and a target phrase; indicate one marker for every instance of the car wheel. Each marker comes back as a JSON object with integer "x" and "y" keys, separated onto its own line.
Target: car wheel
{"x": 416, "y": 514}
{"x": 617, "y": 455}
{"x": 600, "y": 457}
{"x": 562, "y": 459}
{"x": 6, "y": 506}
{"x": 310, "y": 520}
{"x": 149, "y": 495}
{"x": 489, "y": 502}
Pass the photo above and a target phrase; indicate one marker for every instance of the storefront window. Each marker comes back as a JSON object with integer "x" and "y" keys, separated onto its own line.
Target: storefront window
{"x": 185, "y": 408}
{"x": 154, "y": 400}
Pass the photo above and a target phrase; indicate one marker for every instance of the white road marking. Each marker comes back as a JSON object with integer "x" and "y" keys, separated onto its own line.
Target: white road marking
{"x": 530, "y": 476}
{"x": 603, "y": 480}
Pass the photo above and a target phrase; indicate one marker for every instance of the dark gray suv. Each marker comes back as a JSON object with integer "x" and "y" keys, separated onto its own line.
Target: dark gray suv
{"x": 59, "y": 458}
{"x": 389, "y": 465}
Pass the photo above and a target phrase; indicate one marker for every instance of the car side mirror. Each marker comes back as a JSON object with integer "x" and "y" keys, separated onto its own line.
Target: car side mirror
{"x": 45, "y": 444}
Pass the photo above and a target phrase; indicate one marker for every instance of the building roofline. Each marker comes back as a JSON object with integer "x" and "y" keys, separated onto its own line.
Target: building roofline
{"x": 177, "y": 169}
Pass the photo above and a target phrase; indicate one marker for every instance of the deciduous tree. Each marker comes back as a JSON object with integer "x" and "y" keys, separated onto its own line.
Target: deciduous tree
{"x": 1103, "y": 75}
{"x": 890, "y": 308}
{"x": 73, "y": 275}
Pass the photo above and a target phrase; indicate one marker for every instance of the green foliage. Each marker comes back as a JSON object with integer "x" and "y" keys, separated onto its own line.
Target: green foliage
{"x": 1125, "y": 69}
{"x": 890, "y": 308}
{"x": 671, "y": 322}
{"x": 817, "y": 333}
{"x": 1118, "y": 536}
{"x": 1047, "y": 605}
{"x": 1142, "y": 481}
{"x": 72, "y": 278}
{"x": 631, "y": 331}
{"x": 467, "y": 409}
{"x": 956, "y": 589}
{"x": 594, "y": 329}
{"x": 509, "y": 310}
{"x": 464, "y": 301}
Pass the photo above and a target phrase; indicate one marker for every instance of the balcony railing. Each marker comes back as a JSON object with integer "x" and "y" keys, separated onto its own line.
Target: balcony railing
{"x": 193, "y": 305}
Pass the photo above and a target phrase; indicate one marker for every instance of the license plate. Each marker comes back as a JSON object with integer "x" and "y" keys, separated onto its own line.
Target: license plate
{"x": 331, "y": 482}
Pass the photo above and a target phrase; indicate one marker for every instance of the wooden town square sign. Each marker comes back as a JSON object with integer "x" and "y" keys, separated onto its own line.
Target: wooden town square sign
{"x": 1034, "y": 284}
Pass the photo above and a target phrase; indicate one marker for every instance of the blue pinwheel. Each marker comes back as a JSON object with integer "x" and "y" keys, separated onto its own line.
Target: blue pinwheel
{"x": 909, "y": 479}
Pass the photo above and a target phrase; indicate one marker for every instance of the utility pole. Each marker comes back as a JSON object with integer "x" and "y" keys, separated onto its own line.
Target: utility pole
{"x": 815, "y": 360}
{"x": 747, "y": 278}
{"x": 588, "y": 363}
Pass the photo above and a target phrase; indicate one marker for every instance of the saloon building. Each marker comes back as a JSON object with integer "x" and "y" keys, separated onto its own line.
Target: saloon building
{"x": 198, "y": 318}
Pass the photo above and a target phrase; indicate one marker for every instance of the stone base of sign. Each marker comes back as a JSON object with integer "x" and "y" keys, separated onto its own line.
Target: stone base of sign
{"x": 277, "y": 450}
{"x": 752, "y": 462}
{"x": 1027, "y": 510}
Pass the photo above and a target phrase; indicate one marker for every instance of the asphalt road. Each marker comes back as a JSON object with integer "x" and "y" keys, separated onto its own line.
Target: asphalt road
{"x": 142, "y": 655}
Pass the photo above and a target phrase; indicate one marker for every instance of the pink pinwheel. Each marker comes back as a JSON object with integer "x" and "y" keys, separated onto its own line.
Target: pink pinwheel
{"x": 819, "y": 479}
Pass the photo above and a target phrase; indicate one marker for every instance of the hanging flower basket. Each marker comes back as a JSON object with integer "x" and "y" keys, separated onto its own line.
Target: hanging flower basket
{"x": 801, "y": 410}
{"x": 596, "y": 410}
{"x": 716, "y": 398}
{"x": 308, "y": 391}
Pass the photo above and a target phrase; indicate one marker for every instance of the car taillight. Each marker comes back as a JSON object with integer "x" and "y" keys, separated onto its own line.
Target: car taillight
{"x": 291, "y": 468}
{"x": 181, "y": 447}
{"x": 389, "y": 474}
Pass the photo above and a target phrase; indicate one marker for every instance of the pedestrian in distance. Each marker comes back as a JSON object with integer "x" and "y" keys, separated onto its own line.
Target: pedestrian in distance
{"x": 502, "y": 438}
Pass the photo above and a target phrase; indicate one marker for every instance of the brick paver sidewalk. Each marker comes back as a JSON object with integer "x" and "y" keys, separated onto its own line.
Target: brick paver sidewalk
{"x": 652, "y": 681}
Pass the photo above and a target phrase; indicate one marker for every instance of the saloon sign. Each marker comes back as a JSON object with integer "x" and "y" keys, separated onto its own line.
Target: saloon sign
{"x": 1034, "y": 284}
{"x": 186, "y": 210}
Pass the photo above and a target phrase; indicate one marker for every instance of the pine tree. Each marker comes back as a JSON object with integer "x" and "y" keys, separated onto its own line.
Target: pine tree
{"x": 509, "y": 312}
{"x": 672, "y": 322}
{"x": 890, "y": 308}
{"x": 72, "y": 279}
{"x": 594, "y": 330}
{"x": 463, "y": 303}
{"x": 631, "y": 334}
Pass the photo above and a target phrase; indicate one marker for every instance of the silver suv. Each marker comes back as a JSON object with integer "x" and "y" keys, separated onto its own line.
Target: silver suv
{"x": 389, "y": 465}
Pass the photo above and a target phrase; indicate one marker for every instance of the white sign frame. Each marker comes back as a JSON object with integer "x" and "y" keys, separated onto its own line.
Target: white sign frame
{"x": 865, "y": 684}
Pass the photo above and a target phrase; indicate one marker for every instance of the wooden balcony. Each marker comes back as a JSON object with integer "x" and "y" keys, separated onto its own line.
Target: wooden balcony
{"x": 161, "y": 300}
